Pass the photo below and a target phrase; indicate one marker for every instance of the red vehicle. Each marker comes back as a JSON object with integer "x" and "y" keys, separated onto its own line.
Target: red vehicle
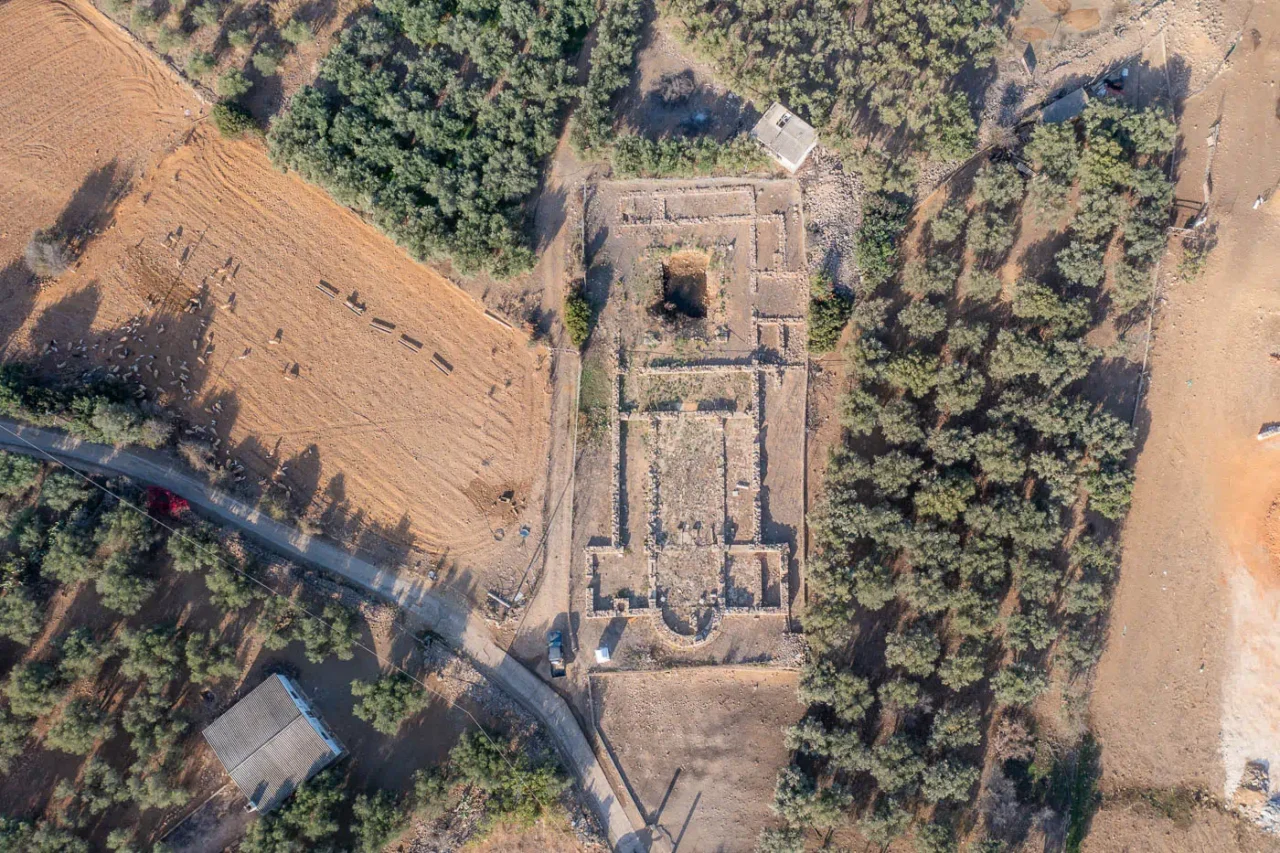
{"x": 164, "y": 502}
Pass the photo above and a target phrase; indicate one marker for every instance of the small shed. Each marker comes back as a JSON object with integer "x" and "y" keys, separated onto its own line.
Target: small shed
{"x": 1066, "y": 108}
{"x": 271, "y": 741}
{"x": 787, "y": 137}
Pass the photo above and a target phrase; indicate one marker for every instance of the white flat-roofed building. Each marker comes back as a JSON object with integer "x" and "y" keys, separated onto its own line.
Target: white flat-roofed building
{"x": 787, "y": 137}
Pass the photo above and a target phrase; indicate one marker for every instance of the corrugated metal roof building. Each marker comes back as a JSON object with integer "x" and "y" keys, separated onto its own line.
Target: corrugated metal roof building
{"x": 271, "y": 741}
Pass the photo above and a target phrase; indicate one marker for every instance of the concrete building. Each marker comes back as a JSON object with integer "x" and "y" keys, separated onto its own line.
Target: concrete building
{"x": 271, "y": 741}
{"x": 786, "y": 137}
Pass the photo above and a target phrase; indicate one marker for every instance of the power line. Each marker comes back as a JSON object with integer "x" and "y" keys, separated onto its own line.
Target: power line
{"x": 217, "y": 555}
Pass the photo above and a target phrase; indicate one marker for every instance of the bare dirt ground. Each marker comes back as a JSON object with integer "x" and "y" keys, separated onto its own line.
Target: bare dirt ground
{"x": 84, "y": 113}
{"x": 1185, "y": 693}
{"x": 1132, "y": 827}
{"x": 700, "y": 748}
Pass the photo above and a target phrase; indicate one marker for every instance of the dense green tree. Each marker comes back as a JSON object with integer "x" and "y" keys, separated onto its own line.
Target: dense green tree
{"x": 897, "y": 765}
{"x": 17, "y": 473}
{"x": 1018, "y": 684}
{"x": 378, "y": 818}
{"x": 914, "y": 650}
{"x": 80, "y": 726}
{"x": 949, "y": 780}
{"x": 152, "y": 725}
{"x": 955, "y": 727}
{"x": 848, "y": 695}
{"x": 208, "y": 660}
{"x": 386, "y": 703}
{"x": 150, "y": 653}
{"x": 33, "y": 689}
{"x": 81, "y": 656}
{"x": 13, "y": 738}
{"x": 119, "y": 585}
{"x": 334, "y": 633}
{"x": 21, "y": 617}
{"x": 61, "y": 491}
{"x": 68, "y": 558}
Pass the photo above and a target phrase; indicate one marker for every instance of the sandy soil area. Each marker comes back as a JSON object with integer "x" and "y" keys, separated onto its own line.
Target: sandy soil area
{"x": 84, "y": 112}
{"x": 1186, "y": 691}
{"x": 700, "y": 748}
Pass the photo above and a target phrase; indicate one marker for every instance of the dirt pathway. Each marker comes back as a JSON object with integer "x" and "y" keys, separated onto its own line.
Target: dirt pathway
{"x": 463, "y": 631}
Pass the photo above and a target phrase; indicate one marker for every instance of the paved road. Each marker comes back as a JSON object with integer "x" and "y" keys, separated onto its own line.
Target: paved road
{"x": 462, "y": 631}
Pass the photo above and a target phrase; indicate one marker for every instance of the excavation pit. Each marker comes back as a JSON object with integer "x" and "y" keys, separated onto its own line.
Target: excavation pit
{"x": 684, "y": 285}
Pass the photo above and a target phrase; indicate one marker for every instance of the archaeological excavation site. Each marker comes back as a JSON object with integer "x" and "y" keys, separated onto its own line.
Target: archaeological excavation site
{"x": 706, "y": 371}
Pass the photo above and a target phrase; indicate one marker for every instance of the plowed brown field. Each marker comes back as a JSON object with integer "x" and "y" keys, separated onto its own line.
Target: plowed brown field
{"x": 82, "y": 112}
{"x": 216, "y": 257}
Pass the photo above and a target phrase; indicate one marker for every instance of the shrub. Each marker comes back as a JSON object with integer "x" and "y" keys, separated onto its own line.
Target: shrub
{"x": 578, "y": 316}
{"x": 386, "y": 703}
{"x": 207, "y": 14}
{"x": 297, "y": 32}
{"x": 240, "y": 38}
{"x": 829, "y": 311}
{"x": 266, "y": 59}
{"x": 232, "y": 84}
{"x": 201, "y": 63}
{"x": 232, "y": 120}
{"x": 143, "y": 17}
